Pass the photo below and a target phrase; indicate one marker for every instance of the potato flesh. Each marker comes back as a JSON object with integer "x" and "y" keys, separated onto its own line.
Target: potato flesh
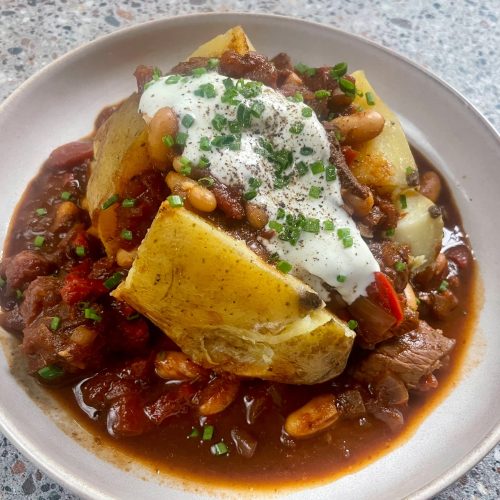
{"x": 226, "y": 308}
{"x": 233, "y": 39}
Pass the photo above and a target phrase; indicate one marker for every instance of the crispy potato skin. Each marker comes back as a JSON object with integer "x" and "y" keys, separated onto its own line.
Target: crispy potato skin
{"x": 226, "y": 308}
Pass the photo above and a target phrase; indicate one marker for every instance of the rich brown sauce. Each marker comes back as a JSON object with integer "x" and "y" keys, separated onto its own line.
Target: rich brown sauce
{"x": 349, "y": 445}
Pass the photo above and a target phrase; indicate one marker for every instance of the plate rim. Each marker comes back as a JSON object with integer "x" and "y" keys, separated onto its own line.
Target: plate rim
{"x": 429, "y": 489}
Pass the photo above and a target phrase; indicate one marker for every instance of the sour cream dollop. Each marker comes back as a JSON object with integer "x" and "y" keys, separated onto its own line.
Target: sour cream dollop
{"x": 276, "y": 148}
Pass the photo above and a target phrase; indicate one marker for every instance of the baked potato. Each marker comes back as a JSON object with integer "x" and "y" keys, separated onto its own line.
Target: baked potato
{"x": 233, "y": 39}
{"x": 226, "y": 308}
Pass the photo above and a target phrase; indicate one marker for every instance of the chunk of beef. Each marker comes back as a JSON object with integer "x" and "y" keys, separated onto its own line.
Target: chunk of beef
{"x": 143, "y": 74}
{"x": 252, "y": 66}
{"x": 410, "y": 357}
{"x": 186, "y": 67}
{"x": 346, "y": 177}
{"x": 388, "y": 254}
{"x": 41, "y": 294}
{"x": 70, "y": 155}
{"x": 25, "y": 267}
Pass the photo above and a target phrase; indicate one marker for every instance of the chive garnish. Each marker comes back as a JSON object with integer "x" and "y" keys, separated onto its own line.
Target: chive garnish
{"x": 204, "y": 162}
{"x": 328, "y": 225}
{"x": 41, "y": 212}
{"x": 110, "y": 201}
{"x": 197, "y": 72}
{"x": 370, "y": 98}
{"x": 206, "y": 182}
{"x": 315, "y": 192}
{"x": 39, "y": 241}
{"x": 65, "y": 195}
{"x": 400, "y": 266}
{"x": 339, "y": 70}
{"x": 205, "y": 144}
{"x": 280, "y": 214}
{"x": 297, "y": 128}
{"x": 175, "y": 201}
{"x": 126, "y": 234}
{"x": 352, "y": 324}
{"x": 341, "y": 278}
{"x": 443, "y": 286}
{"x": 114, "y": 280}
{"x": 194, "y": 433}
{"x": 50, "y": 372}
{"x": 317, "y": 167}
{"x": 330, "y": 173}
{"x": 181, "y": 138}
{"x": 168, "y": 140}
{"x": 284, "y": 266}
{"x": 390, "y": 232}
{"x": 219, "y": 449}
{"x": 128, "y": 203}
{"x": 301, "y": 168}
{"x": 206, "y": 90}
{"x": 80, "y": 251}
{"x": 303, "y": 69}
{"x": 55, "y": 322}
{"x": 403, "y": 201}
{"x": 307, "y": 112}
{"x": 208, "y": 432}
{"x": 219, "y": 122}
{"x": 306, "y": 151}
{"x": 212, "y": 63}
{"x": 172, "y": 79}
{"x": 275, "y": 226}
{"x": 322, "y": 94}
{"x": 90, "y": 313}
{"x": 311, "y": 225}
{"x": 187, "y": 120}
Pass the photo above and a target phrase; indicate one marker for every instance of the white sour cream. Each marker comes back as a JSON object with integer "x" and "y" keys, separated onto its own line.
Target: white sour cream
{"x": 316, "y": 258}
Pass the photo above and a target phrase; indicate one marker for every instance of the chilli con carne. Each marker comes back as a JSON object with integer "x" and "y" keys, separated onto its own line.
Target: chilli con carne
{"x": 115, "y": 368}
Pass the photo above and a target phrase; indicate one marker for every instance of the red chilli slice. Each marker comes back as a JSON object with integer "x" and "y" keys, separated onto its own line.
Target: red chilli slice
{"x": 389, "y": 297}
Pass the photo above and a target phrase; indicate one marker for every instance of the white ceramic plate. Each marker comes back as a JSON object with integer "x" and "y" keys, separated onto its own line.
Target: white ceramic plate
{"x": 60, "y": 103}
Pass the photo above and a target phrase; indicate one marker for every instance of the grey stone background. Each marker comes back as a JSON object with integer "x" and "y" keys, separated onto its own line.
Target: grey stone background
{"x": 458, "y": 40}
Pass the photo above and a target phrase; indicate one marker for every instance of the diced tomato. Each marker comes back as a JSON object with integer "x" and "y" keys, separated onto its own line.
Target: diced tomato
{"x": 388, "y": 296}
{"x": 78, "y": 287}
{"x": 349, "y": 154}
{"x": 171, "y": 403}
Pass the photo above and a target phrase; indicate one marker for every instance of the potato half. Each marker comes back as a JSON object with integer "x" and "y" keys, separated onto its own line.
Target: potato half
{"x": 226, "y": 308}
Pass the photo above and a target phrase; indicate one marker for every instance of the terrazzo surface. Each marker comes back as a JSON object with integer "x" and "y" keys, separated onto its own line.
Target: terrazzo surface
{"x": 458, "y": 40}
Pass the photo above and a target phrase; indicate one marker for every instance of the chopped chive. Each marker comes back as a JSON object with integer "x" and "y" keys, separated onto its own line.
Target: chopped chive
{"x": 257, "y": 108}
{"x": 2, "y": 282}
{"x": 317, "y": 167}
{"x": 133, "y": 316}
{"x": 307, "y": 112}
{"x": 126, "y": 234}
{"x": 297, "y": 97}
{"x": 172, "y": 79}
{"x": 41, "y": 212}
{"x": 208, "y": 432}
{"x": 399, "y": 266}
{"x": 198, "y": 72}
{"x": 219, "y": 122}
{"x": 301, "y": 168}
{"x": 50, "y": 372}
{"x": 322, "y": 94}
{"x": 280, "y": 214}
{"x": 303, "y": 69}
{"x": 254, "y": 183}
{"x": 194, "y": 433}
{"x": 328, "y": 225}
{"x": 390, "y": 232}
{"x": 315, "y": 192}
{"x": 443, "y": 286}
{"x": 330, "y": 173}
{"x": 55, "y": 323}
{"x": 65, "y": 195}
{"x": 203, "y": 162}
{"x": 228, "y": 83}
{"x": 341, "y": 278}
{"x": 347, "y": 87}
{"x": 275, "y": 226}
{"x": 403, "y": 201}
{"x": 284, "y": 266}
{"x": 175, "y": 201}
{"x": 156, "y": 73}
{"x": 168, "y": 140}
{"x": 370, "y": 98}
{"x": 409, "y": 170}
{"x": 205, "y": 144}
{"x": 250, "y": 195}
{"x": 89, "y": 313}
{"x": 297, "y": 128}
{"x": 352, "y": 324}
{"x": 206, "y": 90}
{"x": 306, "y": 151}
{"x": 80, "y": 251}
{"x": 181, "y": 138}
{"x": 110, "y": 201}
{"x": 212, "y": 63}
{"x": 185, "y": 166}
{"x": 206, "y": 182}
{"x": 347, "y": 242}
{"x": 187, "y": 120}
{"x": 19, "y": 294}
{"x": 343, "y": 232}
{"x": 219, "y": 449}
{"x": 311, "y": 225}
{"x": 113, "y": 281}
{"x": 39, "y": 241}
{"x": 339, "y": 70}
{"x": 128, "y": 203}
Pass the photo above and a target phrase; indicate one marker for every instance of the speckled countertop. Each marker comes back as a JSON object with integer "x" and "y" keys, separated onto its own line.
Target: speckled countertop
{"x": 457, "y": 40}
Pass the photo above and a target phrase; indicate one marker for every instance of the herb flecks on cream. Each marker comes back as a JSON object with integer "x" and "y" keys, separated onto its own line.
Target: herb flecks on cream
{"x": 276, "y": 149}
